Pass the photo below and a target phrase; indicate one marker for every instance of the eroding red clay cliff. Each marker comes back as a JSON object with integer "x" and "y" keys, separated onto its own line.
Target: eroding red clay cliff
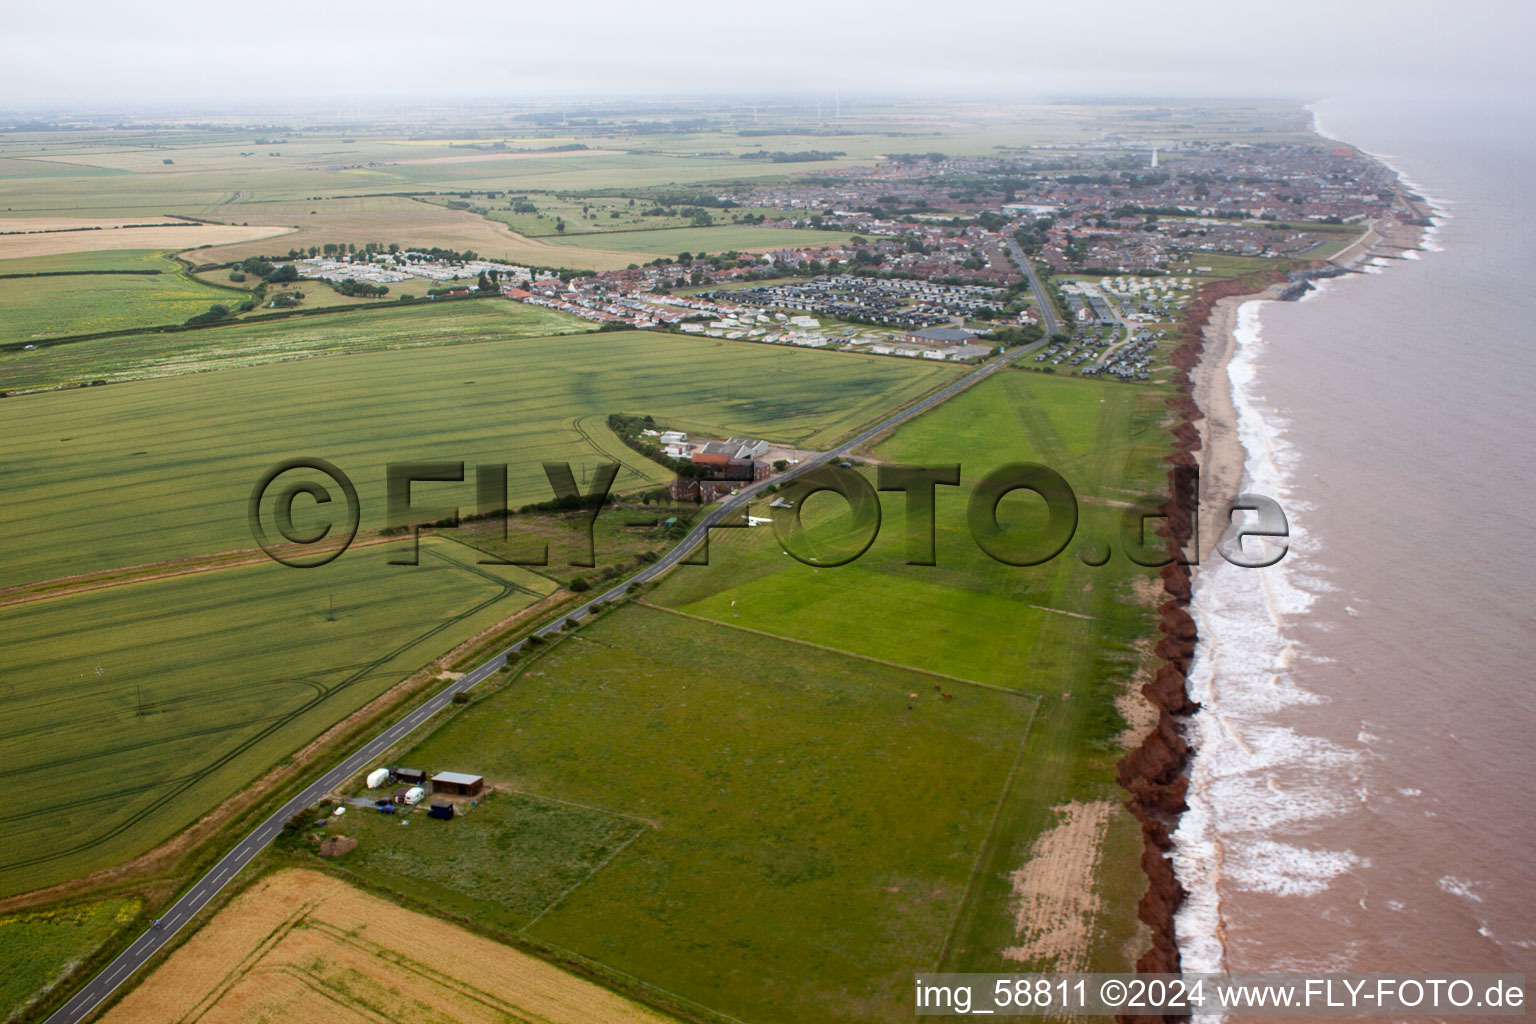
{"x": 1155, "y": 772}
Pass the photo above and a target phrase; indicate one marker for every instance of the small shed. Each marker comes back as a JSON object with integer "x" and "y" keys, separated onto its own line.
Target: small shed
{"x": 457, "y": 783}
{"x": 441, "y": 809}
{"x": 400, "y": 794}
{"x": 409, "y": 776}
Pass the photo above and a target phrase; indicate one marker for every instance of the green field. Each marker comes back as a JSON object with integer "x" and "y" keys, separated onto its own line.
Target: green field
{"x": 805, "y": 839}
{"x": 39, "y": 947}
{"x": 511, "y": 855}
{"x": 1065, "y": 631}
{"x": 131, "y": 711}
{"x": 671, "y": 241}
{"x": 150, "y": 470}
{"x": 42, "y": 307}
{"x": 816, "y": 840}
{"x": 278, "y": 340}
{"x": 86, "y": 262}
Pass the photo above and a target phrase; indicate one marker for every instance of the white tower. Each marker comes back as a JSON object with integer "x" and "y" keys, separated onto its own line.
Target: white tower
{"x": 1154, "y": 158}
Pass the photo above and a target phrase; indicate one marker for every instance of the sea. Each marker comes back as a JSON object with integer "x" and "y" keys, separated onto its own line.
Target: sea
{"x": 1361, "y": 794}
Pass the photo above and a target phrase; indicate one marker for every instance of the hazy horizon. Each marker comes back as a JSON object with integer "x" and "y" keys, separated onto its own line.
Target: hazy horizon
{"x": 109, "y": 56}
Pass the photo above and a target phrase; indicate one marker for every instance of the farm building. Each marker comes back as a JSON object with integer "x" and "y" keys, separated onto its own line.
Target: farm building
{"x": 410, "y": 776}
{"x": 457, "y": 783}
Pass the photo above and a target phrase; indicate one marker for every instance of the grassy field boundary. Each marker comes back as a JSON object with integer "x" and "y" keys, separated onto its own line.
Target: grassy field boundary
{"x": 640, "y": 830}
{"x": 830, "y": 650}
{"x": 673, "y": 1001}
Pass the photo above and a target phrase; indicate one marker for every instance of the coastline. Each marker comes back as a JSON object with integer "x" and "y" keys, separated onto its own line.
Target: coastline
{"x": 1206, "y": 441}
{"x": 1156, "y": 772}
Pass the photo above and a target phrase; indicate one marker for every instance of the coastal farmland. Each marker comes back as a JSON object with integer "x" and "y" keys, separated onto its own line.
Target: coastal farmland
{"x": 132, "y": 710}
{"x": 400, "y": 220}
{"x": 876, "y": 751}
{"x": 297, "y": 945}
{"x": 250, "y": 343}
{"x": 247, "y": 665}
{"x": 27, "y": 238}
{"x": 756, "y": 790}
{"x": 150, "y": 470}
{"x": 133, "y": 288}
{"x": 811, "y": 827}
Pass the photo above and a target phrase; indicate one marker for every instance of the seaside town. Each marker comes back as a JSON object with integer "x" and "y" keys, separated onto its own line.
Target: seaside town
{"x": 930, "y": 251}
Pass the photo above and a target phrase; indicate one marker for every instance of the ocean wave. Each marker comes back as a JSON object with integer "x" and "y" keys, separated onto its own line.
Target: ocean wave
{"x": 1255, "y": 782}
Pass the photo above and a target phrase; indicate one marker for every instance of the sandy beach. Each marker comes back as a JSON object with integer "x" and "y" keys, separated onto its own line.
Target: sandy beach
{"x": 1221, "y": 455}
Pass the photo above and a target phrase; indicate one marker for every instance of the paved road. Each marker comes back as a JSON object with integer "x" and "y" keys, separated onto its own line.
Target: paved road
{"x": 1047, "y": 311}
{"x": 195, "y": 898}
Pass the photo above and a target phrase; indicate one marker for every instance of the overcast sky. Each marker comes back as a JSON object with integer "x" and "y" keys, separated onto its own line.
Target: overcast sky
{"x": 108, "y": 50}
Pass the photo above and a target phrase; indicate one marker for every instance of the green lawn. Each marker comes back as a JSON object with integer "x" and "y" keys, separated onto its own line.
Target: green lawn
{"x": 40, "y": 947}
{"x": 150, "y": 470}
{"x": 159, "y": 699}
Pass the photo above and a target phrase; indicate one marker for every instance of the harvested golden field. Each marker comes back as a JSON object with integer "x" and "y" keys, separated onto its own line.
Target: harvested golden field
{"x": 300, "y": 945}
{"x": 24, "y": 237}
{"x": 396, "y": 219}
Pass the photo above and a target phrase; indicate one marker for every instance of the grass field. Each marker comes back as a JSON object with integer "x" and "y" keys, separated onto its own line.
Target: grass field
{"x": 150, "y": 470}
{"x": 816, "y": 840}
{"x": 512, "y": 855}
{"x": 42, "y": 307}
{"x": 1067, "y": 632}
{"x": 158, "y": 699}
{"x": 297, "y": 946}
{"x": 797, "y": 822}
{"x": 39, "y": 947}
{"x": 236, "y": 345}
{"x": 84, "y": 262}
